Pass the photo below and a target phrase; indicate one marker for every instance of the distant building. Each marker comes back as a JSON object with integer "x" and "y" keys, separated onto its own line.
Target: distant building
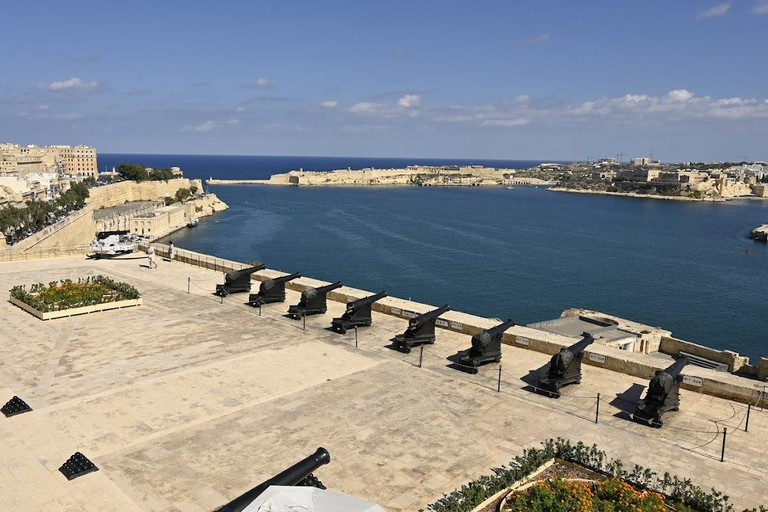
{"x": 608, "y": 160}
{"x": 640, "y": 161}
{"x": 80, "y": 161}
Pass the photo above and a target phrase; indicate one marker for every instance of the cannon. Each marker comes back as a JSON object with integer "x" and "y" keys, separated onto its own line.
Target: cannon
{"x": 272, "y": 290}
{"x": 421, "y": 330}
{"x": 237, "y": 281}
{"x": 313, "y": 301}
{"x": 564, "y": 367}
{"x": 358, "y": 313}
{"x": 298, "y": 474}
{"x": 486, "y": 347}
{"x": 663, "y": 395}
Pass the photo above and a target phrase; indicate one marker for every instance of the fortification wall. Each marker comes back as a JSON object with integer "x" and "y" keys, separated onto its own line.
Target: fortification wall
{"x": 710, "y": 382}
{"x": 674, "y": 346}
{"x": 129, "y": 191}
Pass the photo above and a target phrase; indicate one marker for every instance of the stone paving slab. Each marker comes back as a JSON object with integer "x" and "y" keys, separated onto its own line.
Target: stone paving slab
{"x": 188, "y": 400}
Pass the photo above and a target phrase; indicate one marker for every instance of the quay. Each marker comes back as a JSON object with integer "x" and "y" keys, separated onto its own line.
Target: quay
{"x": 189, "y": 400}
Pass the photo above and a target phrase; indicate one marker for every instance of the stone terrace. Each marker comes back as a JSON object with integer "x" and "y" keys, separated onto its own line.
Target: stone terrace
{"x": 185, "y": 402}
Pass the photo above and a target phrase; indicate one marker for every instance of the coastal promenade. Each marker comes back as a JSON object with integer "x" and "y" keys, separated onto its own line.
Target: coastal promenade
{"x": 188, "y": 401}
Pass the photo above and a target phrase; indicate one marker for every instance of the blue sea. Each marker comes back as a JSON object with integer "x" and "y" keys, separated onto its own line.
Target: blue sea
{"x": 525, "y": 253}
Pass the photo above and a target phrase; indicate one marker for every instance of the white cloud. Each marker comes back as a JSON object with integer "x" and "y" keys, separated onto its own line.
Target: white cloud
{"x": 365, "y": 107}
{"x": 260, "y": 83}
{"x": 760, "y": 8}
{"x": 679, "y": 95}
{"x": 206, "y": 126}
{"x": 541, "y": 38}
{"x": 73, "y": 84}
{"x": 523, "y": 98}
{"x": 68, "y": 117}
{"x": 329, "y": 104}
{"x": 241, "y": 108}
{"x": 409, "y": 100}
{"x": 233, "y": 121}
{"x": 505, "y": 122}
{"x": 676, "y": 104}
{"x": 717, "y": 10}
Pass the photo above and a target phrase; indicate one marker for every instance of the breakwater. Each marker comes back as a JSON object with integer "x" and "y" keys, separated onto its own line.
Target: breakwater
{"x": 715, "y": 383}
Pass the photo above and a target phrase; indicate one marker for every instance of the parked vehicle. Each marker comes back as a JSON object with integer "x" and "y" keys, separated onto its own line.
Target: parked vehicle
{"x": 111, "y": 243}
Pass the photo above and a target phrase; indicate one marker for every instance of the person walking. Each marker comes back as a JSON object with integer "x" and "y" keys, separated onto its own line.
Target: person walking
{"x": 151, "y": 257}
{"x": 171, "y": 251}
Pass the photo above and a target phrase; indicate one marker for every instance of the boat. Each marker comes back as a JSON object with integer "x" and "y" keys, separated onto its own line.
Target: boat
{"x": 193, "y": 223}
{"x": 510, "y": 188}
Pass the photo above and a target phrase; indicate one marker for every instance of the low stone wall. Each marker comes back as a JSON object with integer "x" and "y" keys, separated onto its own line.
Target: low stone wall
{"x": 76, "y": 229}
{"x": 673, "y": 346}
{"x": 710, "y": 382}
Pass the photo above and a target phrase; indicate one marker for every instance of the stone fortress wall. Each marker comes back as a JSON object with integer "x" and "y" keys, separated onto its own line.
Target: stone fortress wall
{"x": 79, "y": 229}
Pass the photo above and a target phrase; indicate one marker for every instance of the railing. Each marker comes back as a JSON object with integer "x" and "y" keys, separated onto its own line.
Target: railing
{"x": 195, "y": 258}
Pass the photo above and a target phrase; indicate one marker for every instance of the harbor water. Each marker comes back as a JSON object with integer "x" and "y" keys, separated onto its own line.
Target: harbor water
{"x": 527, "y": 253}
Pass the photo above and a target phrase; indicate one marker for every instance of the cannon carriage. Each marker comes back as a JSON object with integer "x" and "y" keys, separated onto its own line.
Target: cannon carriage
{"x": 358, "y": 314}
{"x": 564, "y": 367}
{"x": 486, "y": 348}
{"x": 272, "y": 290}
{"x": 237, "y": 281}
{"x": 313, "y": 301}
{"x": 420, "y": 331}
{"x": 663, "y": 395}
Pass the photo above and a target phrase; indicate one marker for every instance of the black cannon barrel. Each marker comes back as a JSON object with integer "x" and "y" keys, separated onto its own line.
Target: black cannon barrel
{"x": 329, "y": 287}
{"x": 291, "y": 476}
{"x": 231, "y": 276}
{"x": 285, "y": 279}
{"x": 675, "y": 368}
{"x": 579, "y": 346}
{"x": 430, "y": 315}
{"x": 365, "y": 301}
{"x": 494, "y": 331}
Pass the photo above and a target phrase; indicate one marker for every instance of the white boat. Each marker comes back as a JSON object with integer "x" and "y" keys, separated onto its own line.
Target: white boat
{"x": 510, "y": 188}
{"x": 193, "y": 223}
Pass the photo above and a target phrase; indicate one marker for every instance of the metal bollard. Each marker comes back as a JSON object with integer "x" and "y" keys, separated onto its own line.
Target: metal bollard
{"x": 597, "y": 409}
{"x": 722, "y": 452}
{"x": 355, "y": 336}
{"x": 222, "y": 298}
{"x": 189, "y": 284}
{"x": 421, "y": 355}
{"x": 498, "y": 388}
{"x": 304, "y": 316}
{"x": 749, "y": 409}
{"x": 259, "y": 309}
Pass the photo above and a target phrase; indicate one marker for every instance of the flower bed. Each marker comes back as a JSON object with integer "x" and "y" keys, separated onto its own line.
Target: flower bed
{"x": 68, "y": 298}
{"x": 679, "y": 494}
{"x": 559, "y": 495}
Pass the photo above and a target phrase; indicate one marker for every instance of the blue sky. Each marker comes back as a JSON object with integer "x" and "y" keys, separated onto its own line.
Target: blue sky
{"x": 495, "y": 79}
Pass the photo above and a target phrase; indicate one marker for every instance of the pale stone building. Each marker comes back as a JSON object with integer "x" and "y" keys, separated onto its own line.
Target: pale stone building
{"x": 80, "y": 161}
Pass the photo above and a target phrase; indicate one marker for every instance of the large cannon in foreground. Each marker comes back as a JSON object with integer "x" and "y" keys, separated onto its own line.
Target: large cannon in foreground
{"x": 486, "y": 348}
{"x": 421, "y": 330}
{"x": 272, "y": 290}
{"x": 663, "y": 395}
{"x": 313, "y": 301}
{"x": 358, "y": 313}
{"x": 298, "y": 474}
{"x": 564, "y": 367}
{"x": 237, "y": 281}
